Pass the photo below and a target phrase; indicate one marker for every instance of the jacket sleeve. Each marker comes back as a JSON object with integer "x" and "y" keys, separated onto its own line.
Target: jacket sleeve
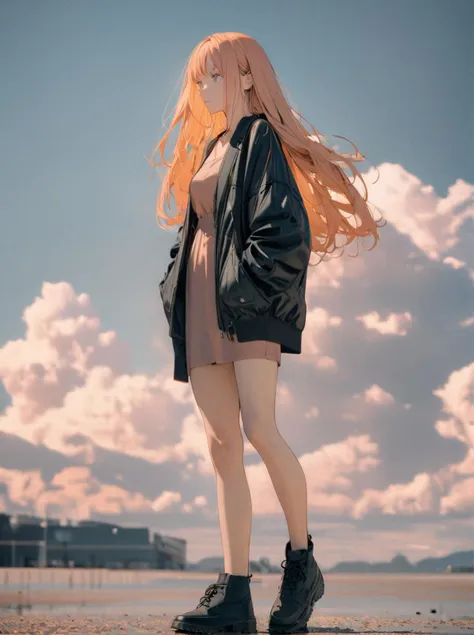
{"x": 278, "y": 243}
{"x": 173, "y": 253}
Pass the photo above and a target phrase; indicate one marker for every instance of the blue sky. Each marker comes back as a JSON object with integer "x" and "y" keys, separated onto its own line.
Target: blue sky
{"x": 84, "y": 89}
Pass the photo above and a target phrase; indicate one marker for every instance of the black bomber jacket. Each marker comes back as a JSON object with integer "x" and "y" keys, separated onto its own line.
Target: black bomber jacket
{"x": 262, "y": 247}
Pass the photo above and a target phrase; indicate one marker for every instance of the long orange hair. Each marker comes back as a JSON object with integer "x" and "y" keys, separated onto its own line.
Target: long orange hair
{"x": 314, "y": 165}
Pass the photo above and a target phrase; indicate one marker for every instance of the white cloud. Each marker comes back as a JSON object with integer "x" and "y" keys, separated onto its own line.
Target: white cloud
{"x": 318, "y": 321}
{"x": 376, "y": 395}
{"x": 451, "y": 488}
{"x": 455, "y": 263}
{"x": 457, "y": 396}
{"x": 328, "y": 473}
{"x": 70, "y": 391}
{"x": 414, "y": 497}
{"x": 460, "y": 497}
{"x": 430, "y": 221}
{"x": 393, "y": 324}
{"x": 75, "y": 494}
{"x": 467, "y": 322}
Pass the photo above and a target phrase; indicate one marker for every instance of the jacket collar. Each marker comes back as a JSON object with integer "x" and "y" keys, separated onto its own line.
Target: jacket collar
{"x": 230, "y": 154}
{"x": 240, "y": 130}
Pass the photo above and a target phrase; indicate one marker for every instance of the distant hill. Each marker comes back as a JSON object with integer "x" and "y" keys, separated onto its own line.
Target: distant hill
{"x": 216, "y": 564}
{"x": 459, "y": 560}
{"x": 400, "y": 564}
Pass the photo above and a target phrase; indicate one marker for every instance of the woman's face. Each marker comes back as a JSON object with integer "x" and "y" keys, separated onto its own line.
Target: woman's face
{"x": 211, "y": 88}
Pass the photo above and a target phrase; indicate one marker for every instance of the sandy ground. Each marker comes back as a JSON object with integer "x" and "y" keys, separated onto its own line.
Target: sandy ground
{"x": 126, "y": 625}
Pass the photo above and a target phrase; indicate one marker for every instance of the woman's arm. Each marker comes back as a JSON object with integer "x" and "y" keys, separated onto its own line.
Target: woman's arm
{"x": 278, "y": 243}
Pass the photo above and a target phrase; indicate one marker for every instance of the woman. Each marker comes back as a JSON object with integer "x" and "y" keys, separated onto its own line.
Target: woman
{"x": 252, "y": 190}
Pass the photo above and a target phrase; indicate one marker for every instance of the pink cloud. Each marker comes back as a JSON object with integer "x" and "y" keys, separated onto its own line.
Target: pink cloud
{"x": 328, "y": 473}
{"x": 431, "y": 221}
{"x": 70, "y": 391}
{"x": 457, "y": 396}
{"x": 393, "y": 324}
{"x": 75, "y": 494}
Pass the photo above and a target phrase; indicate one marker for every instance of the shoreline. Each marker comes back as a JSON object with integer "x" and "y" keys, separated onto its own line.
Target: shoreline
{"x": 109, "y": 602}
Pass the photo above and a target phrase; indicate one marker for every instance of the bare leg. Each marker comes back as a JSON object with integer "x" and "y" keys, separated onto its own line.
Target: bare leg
{"x": 215, "y": 390}
{"x": 256, "y": 380}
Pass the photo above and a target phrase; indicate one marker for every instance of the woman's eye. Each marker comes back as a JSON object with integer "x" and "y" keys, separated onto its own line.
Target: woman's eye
{"x": 216, "y": 75}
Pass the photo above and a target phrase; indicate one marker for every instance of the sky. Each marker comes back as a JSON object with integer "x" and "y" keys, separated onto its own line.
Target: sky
{"x": 379, "y": 406}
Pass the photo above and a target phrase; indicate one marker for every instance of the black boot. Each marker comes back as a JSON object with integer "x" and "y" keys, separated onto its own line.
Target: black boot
{"x": 302, "y": 585}
{"x": 226, "y": 606}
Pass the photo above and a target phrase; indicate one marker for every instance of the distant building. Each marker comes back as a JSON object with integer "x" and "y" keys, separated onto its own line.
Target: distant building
{"x": 28, "y": 541}
{"x": 172, "y": 552}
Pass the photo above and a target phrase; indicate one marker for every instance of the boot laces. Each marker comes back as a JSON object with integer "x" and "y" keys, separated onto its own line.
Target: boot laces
{"x": 293, "y": 572}
{"x": 209, "y": 593}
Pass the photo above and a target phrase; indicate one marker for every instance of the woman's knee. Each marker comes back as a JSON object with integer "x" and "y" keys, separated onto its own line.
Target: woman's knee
{"x": 256, "y": 381}
{"x": 226, "y": 450}
{"x": 261, "y": 432}
{"x": 216, "y": 393}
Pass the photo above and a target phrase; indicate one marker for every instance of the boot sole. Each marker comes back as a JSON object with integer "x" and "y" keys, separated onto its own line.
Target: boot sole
{"x": 301, "y": 625}
{"x": 247, "y": 626}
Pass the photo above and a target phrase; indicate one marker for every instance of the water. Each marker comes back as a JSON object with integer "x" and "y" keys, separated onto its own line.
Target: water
{"x": 172, "y": 592}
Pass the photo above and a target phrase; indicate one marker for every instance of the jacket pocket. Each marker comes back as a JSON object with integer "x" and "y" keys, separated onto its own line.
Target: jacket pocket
{"x": 250, "y": 288}
{"x": 238, "y": 289}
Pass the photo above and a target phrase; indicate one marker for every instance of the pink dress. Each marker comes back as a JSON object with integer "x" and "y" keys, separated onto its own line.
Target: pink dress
{"x": 204, "y": 344}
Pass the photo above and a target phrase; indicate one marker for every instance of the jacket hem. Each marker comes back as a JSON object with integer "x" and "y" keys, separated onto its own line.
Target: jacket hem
{"x": 266, "y": 327}
{"x": 248, "y": 329}
{"x": 180, "y": 364}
